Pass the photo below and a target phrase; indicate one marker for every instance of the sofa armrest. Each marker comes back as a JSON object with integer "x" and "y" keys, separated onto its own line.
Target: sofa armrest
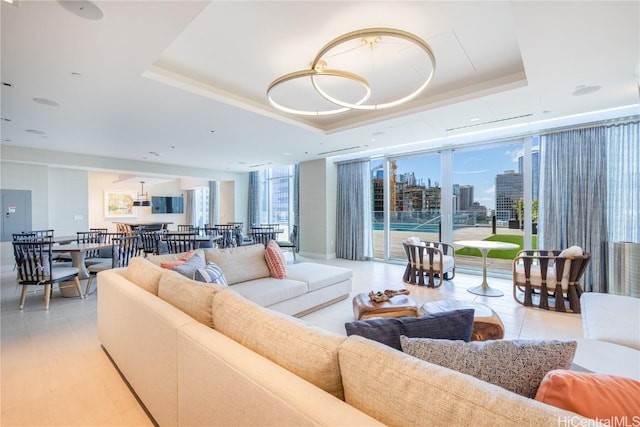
{"x": 223, "y": 383}
{"x": 139, "y": 331}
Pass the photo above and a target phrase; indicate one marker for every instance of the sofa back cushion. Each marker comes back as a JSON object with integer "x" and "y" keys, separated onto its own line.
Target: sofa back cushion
{"x": 194, "y": 298}
{"x": 307, "y": 351}
{"x": 377, "y": 380}
{"x": 144, "y": 274}
{"x": 240, "y": 264}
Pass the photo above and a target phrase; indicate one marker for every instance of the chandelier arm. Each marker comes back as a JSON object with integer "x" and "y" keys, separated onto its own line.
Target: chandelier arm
{"x": 312, "y": 73}
{"x": 359, "y": 34}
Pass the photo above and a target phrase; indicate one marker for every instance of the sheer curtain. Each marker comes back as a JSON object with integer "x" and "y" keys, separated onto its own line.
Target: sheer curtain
{"x": 296, "y": 201}
{"x": 573, "y": 201}
{"x": 214, "y": 211}
{"x": 623, "y": 184}
{"x": 353, "y": 222}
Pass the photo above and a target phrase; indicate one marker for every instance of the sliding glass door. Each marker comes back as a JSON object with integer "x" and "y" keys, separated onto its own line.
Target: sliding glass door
{"x": 482, "y": 192}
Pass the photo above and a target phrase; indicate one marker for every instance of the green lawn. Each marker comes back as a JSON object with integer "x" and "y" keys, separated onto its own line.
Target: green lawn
{"x": 501, "y": 254}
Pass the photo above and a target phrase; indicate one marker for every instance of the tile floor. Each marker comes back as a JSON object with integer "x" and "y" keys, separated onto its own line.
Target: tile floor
{"x": 54, "y": 372}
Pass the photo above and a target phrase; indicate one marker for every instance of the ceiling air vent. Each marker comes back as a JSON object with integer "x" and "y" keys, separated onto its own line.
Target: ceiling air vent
{"x": 338, "y": 151}
{"x": 488, "y": 123}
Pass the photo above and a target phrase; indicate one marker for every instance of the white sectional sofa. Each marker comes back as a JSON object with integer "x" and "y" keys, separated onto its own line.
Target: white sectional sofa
{"x": 611, "y": 327}
{"x": 201, "y": 354}
{"x": 308, "y": 286}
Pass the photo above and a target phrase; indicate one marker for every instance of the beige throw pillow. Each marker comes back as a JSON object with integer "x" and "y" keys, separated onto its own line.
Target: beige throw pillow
{"x": 240, "y": 264}
{"x": 144, "y": 274}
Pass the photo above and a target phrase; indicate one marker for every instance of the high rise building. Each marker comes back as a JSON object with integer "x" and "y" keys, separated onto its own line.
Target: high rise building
{"x": 509, "y": 189}
{"x": 465, "y": 199}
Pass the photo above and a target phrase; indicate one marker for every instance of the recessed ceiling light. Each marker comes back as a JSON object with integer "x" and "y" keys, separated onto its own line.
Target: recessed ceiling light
{"x": 7, "y": 84}
{"x": 4, "y": 119}
{"x": 474, "y": 119}
{"x": 83, "y": 9}
{"x": 585, "y": 90}
{"x": 36, "y": 132}
{"x": 242, "y": 163}
{"x": 212, "y": 131}
{"x": 46, "y": 102}
{"x": 74, "y": 74}
{"x": 288, "y": 154}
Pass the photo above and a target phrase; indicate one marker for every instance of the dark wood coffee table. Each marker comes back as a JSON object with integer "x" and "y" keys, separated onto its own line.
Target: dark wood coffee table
{"x": 397, "y": 306}
{"x": 487, "y": 325}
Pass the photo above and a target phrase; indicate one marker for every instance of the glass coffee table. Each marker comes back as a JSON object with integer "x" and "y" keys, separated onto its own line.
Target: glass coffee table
{"x": 485, "y": 246}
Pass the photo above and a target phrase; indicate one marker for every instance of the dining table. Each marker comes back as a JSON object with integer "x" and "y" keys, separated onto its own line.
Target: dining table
{"x": 78, "y": 253}
{"x": 485, "y": 246}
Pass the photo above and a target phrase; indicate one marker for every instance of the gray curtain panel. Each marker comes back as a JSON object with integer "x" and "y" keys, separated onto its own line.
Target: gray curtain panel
{"x": 253, "y": 210}
{"x": 296, "y": 202}
{"x": 623, "y": 183}
{"x": 189, "y": 210}
{"x": 573, "y": 186}
{"x": 353, "y": 221}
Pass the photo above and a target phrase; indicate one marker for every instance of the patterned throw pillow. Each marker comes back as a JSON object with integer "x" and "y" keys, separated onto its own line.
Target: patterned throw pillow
{"x": 275, "y": 260}
{"x": 449, "y": 325}
{"x": 188, "y": 268}
{"x": 517, "y": 365}
{"x": 210, "y": 274}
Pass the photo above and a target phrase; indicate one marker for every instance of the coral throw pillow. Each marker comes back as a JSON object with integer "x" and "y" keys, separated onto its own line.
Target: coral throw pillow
{"x": 275, "y": 260}
{"x": 604, "y": 397}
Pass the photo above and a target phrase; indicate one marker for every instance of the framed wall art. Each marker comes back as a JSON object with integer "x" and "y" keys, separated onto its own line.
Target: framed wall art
{"x": 119, "y": 203}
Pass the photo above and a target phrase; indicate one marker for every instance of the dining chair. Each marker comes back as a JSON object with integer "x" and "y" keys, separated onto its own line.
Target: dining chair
{"x": 188, "y": 228}
{"x": 105, "y": 254}
{"x": 123, "y": 248}
{"x": 292, "y": 243}
{"x": 179, "y": 242}
{"x": 34, "y": 262}
{"x": 227, "y": 231}
{"x": 149, "y": 242}
{"x": 89, "y": 237}
{"x": 262, "y": 236}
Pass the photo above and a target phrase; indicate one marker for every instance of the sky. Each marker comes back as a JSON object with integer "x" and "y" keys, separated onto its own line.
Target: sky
{"x": 477, "y": 167}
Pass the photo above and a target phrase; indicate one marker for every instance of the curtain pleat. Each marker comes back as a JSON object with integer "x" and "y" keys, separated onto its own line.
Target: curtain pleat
{"x": 190, "y": 208}
{"x": 573, "y": 187}
{"x": 353, "y": 221}
{"x": 623, "y": 185}
{"x": 296, "y": 202}
{"x": 253, "y": 210}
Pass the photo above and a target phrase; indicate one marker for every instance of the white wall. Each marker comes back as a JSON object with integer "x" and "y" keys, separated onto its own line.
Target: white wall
{"x": 318, "y": 181}
{"x": 72, "y": 199}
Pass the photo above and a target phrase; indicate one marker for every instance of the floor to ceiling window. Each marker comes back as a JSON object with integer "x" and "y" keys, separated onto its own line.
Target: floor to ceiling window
{"x": 276, "y": 205}
{"x": 493, "y": 190}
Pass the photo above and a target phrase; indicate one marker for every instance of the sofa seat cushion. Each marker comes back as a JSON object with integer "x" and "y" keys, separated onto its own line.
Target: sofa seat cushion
{"x": 536, "y": 277}
{"x": 305, "y": 350}
{"x": 269, "y": 291}
{"x": 144, "y": 274}
{"x": 317, "y": 276}
{"x": 611, "y": 318}
{"x": 240, "y": 264}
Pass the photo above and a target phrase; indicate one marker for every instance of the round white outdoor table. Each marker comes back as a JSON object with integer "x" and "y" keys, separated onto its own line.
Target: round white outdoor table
{"x": 485, "y": 246}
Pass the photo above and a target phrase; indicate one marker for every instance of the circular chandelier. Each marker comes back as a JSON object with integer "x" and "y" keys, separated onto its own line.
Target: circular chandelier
{"x": 386, "y": 67}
